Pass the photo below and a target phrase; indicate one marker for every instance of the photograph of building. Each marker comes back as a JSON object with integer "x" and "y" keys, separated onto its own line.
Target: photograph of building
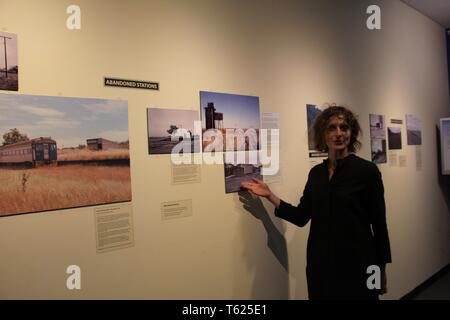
{"x": 238, "y": 171}
{"x": 235, "y": 117}
{"x": 102, "y": 144}
{"x": 378, "y": 138}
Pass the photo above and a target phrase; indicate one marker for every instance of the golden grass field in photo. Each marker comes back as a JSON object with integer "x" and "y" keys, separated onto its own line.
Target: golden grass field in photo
{"x": 49, "y": 188}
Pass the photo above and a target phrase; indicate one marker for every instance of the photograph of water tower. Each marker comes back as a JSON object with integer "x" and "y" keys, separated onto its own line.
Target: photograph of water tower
{"x": 235, "y": 117}
{"x": 9, "y": 69}
{"x": 58, "y": 153}
{"x": 168, "y": 128}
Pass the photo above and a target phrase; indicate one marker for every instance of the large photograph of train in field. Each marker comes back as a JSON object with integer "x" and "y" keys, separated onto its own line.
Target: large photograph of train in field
{"x": 59, "y": 153}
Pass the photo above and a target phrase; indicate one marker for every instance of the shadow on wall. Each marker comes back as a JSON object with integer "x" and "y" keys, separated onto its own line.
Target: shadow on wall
{"x": 444, "y": 180}
{"x": 267, "y": 268}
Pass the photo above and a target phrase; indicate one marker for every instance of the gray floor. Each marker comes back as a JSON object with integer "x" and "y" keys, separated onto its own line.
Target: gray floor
{"x": 439, "y": 290}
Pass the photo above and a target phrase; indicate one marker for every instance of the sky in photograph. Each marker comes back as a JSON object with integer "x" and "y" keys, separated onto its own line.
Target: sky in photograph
{"x": 376, "y": 118}
{"x": 159, "y": 120}
{"x": 377, "y": 133}
{"x": 11, "y": 50}
{"x": 68, "y": 121}
{"x": 412, "y": 122}
{"x": 395, "y": 129}
{"x": 238, "y": 111}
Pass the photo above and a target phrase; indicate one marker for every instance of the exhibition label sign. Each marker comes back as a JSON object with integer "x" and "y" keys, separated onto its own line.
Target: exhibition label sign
{"x": 114, "y": 82}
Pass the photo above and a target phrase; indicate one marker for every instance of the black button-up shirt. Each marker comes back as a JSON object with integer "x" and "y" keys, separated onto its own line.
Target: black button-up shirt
{"x": 348, "y": 229}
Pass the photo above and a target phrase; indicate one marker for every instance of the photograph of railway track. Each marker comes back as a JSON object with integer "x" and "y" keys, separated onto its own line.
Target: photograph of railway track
{"x": 59, "y": 153}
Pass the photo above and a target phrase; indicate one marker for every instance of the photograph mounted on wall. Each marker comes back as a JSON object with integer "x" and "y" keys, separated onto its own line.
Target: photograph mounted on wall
{"x": 413, "y": 130}
{"x": 312, "y": 111}
{"x": 59, "y": 153}
{"x": 378, "y": 138}
{"x": 172, "y": 130}
{"x": 9, "y": 68}
{"x": 238, "y": 170}
{"x": 395, "y": 138}
{"x": 230, "y": 122}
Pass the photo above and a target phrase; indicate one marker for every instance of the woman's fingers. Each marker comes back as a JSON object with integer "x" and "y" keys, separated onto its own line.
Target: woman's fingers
{"x": 247, "y": 185}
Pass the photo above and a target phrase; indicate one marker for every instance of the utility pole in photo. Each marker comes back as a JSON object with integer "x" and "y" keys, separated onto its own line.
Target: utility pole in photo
{"x": 6, "y": 58}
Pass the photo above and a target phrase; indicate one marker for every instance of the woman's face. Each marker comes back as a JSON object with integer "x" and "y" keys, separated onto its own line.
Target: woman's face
{"x": 338, "y": 134}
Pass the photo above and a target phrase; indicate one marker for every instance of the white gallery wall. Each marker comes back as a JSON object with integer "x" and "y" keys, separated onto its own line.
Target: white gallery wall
{"x": 289, "y": 53}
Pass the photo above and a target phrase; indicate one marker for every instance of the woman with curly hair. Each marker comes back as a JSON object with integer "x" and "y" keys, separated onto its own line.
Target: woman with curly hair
{"x": 344, "y": 199}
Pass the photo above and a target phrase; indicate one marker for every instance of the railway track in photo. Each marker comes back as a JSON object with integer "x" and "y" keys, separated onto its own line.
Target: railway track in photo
{"x": 106, "y": 162}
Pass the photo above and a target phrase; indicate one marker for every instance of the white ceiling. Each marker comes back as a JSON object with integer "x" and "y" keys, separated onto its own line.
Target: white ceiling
{"x": 437, "y": 10}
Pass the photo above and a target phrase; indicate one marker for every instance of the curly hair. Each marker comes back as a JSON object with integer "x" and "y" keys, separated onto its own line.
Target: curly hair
{"x": 321, "y": 122}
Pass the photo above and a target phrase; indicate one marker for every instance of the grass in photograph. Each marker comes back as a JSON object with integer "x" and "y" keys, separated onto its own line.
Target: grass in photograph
{"x": 86, "y": 154}
{"x": 49, "y": 188}
{"x": 11, "y": 83}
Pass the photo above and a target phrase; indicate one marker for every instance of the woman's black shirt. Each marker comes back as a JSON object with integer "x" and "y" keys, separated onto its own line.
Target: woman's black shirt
{"x": 348, "y": 229}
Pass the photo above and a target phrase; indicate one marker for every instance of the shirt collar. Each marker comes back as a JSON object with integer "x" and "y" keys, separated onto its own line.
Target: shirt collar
{"x": 340, "y": 162}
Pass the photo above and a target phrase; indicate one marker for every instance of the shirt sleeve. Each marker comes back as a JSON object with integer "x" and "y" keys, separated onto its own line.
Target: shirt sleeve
{"x": 301, "y": 214}
{"x": 378, "y": 218}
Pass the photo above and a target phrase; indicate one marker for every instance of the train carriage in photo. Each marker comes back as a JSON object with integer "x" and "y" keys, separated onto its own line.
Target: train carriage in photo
{"x": 34, "y": 153}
